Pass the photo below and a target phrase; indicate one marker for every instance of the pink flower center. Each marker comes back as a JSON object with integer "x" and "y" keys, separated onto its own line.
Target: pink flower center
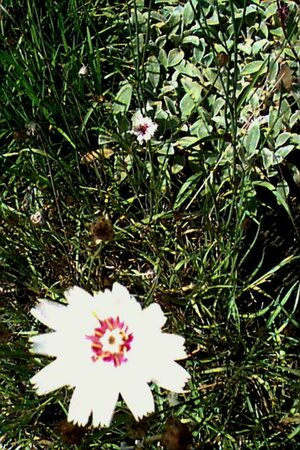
{"x": 111, "y": 341}
{"x": 143, "y": 128}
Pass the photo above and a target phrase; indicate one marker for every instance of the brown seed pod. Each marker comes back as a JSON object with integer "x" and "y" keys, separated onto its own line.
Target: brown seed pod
{"x": 222, "y": 59}
{"x": 285, "y": 77}
{"x": 176, "y": 435}
{"x": 70, "y": 433}
{"x": 102, "y": 230}
{"x": 5, "y": 334}
{"x": 19, "y": 135}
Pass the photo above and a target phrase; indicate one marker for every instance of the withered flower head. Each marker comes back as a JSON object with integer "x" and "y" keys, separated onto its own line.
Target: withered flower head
{"x": 176, "y": 436}
{"x": 222, "y": 59}
{"x": 70, "y": 433}
{"x": 5, "y": 334}
{"x": 102, "y": 230}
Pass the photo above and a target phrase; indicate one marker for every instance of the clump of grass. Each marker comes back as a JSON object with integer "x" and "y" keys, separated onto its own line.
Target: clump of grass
{"x": 198, "y": 215}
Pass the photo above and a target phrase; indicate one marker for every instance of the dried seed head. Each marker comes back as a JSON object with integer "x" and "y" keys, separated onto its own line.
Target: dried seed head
{"x": 102, "y": 230}
{"x": 176, "y": 436}
{"x": 222, "y": 59}
{"x": 70, "y": 433}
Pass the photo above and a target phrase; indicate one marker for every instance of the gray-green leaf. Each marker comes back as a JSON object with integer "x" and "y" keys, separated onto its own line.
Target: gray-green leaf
{"x": 123, "y": 99}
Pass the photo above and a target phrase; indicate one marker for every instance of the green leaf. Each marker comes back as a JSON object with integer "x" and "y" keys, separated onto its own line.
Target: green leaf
{"x": 274, "y": 122}
{"x": 178, "y": 164}
{"x": 294, "y": 118}
{"x": 264, "y": 29}
{"x": 268, "y": 158}
{"x": 192, "y": 71}
{"x": 188, "y": 14}
{"x": 153, "y": 71}
{"x": 167, "y": 150}
{"x": 253, "y": 67}
{"x": 252, "y": 138}
{"x": 171, "y": 105}
{"x": 193, "y": 40}
{"x": 123, "y": 99}
{"x": 175, "y": 56}
{"x": 258, "y": 46}
{"x": 295, "y": 139}
{"x": 285, "y": 110}
{"x": 278, "y": 32}
{"x": 281, "y": 193}
{"x": 282, "y": 138}
{"x": 186, "y": 106}
{"x": 271, "y": 10}
{"x": 187, "y": 190}
{"x": 273, "y": 69}
{"x": 282, "y": 152}
{"x": 162, "y": 57}
{"x": 201, "y": 129}
{"x": 217, "y": 105}
{"x": 192, "y": 88}
{"x": 187, "y": 141}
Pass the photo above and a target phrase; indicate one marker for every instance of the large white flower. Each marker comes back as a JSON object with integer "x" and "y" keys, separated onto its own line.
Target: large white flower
{"x": 143, "y": 127}
{"x": 106, "y": 345}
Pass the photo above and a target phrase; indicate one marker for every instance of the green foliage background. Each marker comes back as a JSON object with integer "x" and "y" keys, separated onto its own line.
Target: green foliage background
{"x": 205, "y": 216}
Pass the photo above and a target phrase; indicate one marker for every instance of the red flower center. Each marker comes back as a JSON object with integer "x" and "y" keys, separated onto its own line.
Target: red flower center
{"x": 143, "y": 128}
{"x": 111, "y": 341}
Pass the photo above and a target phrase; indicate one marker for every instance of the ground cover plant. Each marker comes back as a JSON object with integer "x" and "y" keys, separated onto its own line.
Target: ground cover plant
{"x": 202, "y": 218}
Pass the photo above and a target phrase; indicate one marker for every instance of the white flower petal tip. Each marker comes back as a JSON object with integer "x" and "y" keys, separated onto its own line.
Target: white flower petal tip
{"x": 76, "y": 295}
{"x": 143, "y": 127}
{"x": 48, "y": 312}
{"x": 120, "y": 291}
{"x": 120, "y": 349}
{"x": 154, "y": 314}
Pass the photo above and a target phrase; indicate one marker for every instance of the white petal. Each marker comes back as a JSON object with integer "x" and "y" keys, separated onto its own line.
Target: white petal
{"x": 104, "y": 403}
{"x": 49, "y": 313}
{"x": 120, "y": 293}
{"x": 154, "y": 316}
{"x": 47, "y": 344}
{"x": 171, "y": 376}
{"x": 78, "y": 297}
{"x": 137, "y": 118}
{"x": 52, "y": 377}
{"x": 118, "y": 302}
{"x": 104, "y": 305}
{"x": 172, "y": 346}
{"x": 80, "y": 406}
{"x": 138, "y": 397}
{"x": 63, "y": 344}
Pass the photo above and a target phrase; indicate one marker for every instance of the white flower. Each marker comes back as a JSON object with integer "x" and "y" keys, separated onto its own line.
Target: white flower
{"x": 106, "y": 345}
{"x": 83, "y": 71}
{"x": 37, "y": 219}
{"x": 143, "y": 127}
{"x": 32, "y": 128}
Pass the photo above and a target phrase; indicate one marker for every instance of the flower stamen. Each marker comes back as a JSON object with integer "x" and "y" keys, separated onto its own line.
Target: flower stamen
{"x": 111, "y": 341}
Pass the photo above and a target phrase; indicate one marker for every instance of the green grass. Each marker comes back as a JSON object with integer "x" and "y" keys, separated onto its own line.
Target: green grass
{"x": 205, "y": 216}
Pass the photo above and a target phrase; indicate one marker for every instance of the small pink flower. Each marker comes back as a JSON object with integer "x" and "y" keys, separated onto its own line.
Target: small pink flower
{"x": 143, "y": 127}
